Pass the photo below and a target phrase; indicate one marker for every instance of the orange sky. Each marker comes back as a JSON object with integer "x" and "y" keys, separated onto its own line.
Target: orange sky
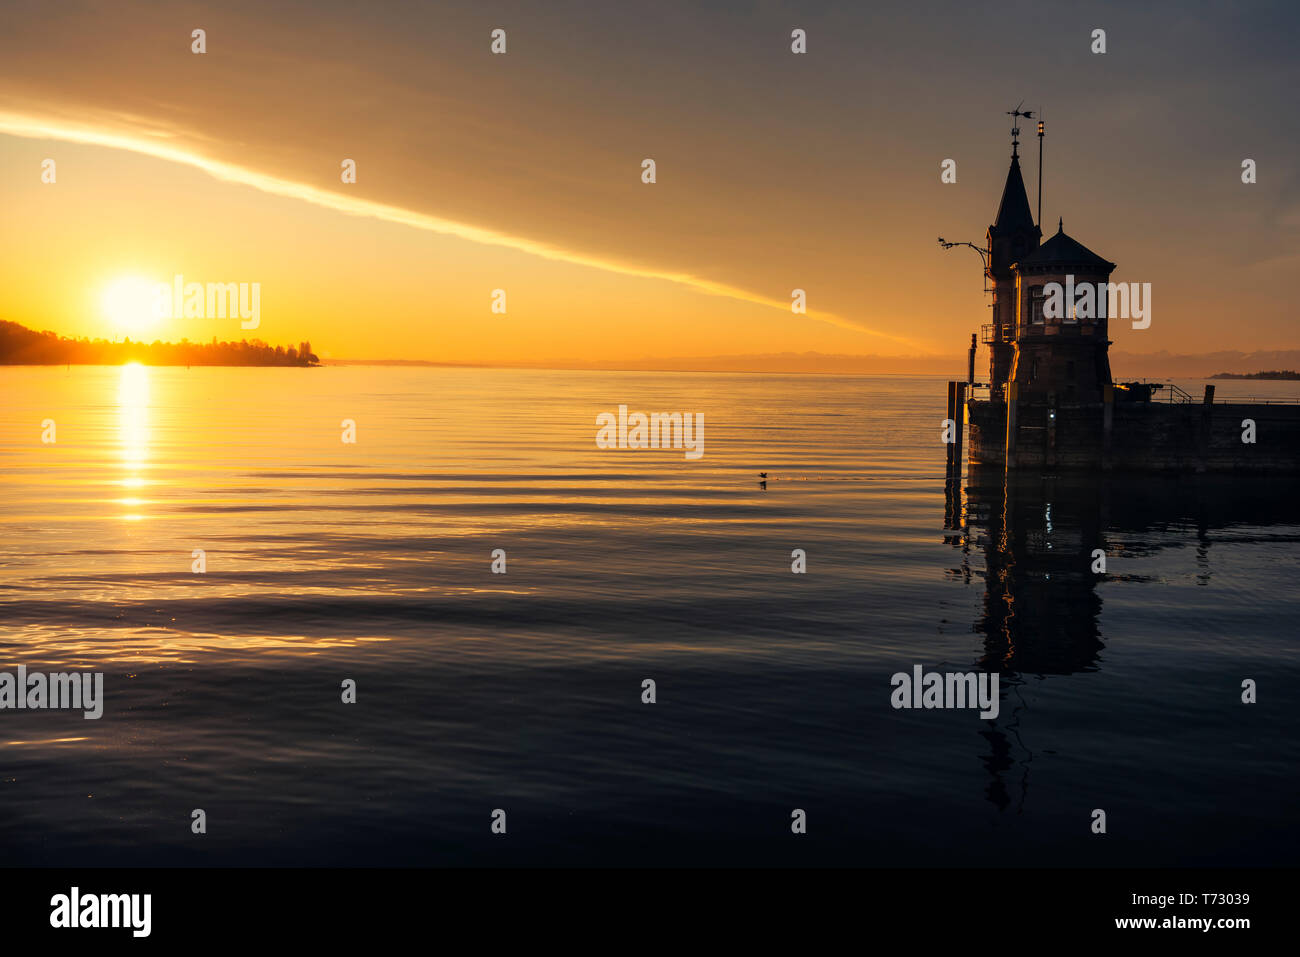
{"x": 522, "y": 172}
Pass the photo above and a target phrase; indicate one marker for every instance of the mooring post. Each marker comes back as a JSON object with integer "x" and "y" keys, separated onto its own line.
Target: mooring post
{"x": 952, "y": 395}
{"x": 1203, "y": 434}
{"x": 959, "y": 416}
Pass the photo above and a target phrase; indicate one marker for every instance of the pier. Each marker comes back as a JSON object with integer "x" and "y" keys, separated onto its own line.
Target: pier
{"x": 1051, "y": 403}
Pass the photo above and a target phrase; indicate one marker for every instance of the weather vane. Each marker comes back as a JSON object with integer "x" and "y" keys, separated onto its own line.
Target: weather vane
{"x": 1015, "y": 129}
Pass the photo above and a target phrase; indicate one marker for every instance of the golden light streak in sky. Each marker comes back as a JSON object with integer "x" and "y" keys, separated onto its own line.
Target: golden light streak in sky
{"x": 35, "y": 129}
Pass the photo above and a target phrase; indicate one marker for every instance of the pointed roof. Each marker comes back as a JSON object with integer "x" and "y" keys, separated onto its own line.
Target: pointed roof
{"x": 1013, "y": 211}
{"x": 1063, "y": 250}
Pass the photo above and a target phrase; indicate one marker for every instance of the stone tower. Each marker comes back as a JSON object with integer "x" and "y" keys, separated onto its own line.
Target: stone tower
{"x": 1012, "y": 236}
{"x": 1061, "y": 358}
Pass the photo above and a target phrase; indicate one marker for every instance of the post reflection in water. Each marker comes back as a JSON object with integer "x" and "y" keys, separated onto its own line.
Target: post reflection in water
{"x": 133, "y": 436}
{"x": 1042, "y": 607}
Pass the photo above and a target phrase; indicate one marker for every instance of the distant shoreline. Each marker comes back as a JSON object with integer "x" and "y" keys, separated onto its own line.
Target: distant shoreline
{"x": 20, "y": 346}
{"x": 16, "y": 364}
{"x": 612, "y": 368}
{"x": 23, "y": 346}
{"x": 1276, "y": 375}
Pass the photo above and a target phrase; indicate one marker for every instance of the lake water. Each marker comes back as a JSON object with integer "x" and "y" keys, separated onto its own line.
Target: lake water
{"x": 372, "y": 561}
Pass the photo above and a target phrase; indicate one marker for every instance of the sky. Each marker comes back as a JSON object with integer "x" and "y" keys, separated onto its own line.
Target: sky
{"x": 523, "y": 171}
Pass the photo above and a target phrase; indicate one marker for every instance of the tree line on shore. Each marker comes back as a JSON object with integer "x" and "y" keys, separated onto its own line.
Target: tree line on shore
{"x": 1271, "y": 374}
{"x": 22, "y": 346}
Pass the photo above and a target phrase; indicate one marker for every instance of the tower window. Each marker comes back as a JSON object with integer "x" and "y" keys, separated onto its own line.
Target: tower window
{"x": 1036, "y": 305}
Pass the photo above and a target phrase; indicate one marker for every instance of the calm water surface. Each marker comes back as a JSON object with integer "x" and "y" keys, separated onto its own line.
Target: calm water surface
{"x": 476, "y": 691}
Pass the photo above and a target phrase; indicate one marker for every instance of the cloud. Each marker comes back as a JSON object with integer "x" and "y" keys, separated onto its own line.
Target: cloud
{"x": 154, "y": 142}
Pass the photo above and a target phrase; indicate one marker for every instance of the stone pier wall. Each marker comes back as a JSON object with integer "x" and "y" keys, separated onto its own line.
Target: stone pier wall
{"x": 1145, "y": 437}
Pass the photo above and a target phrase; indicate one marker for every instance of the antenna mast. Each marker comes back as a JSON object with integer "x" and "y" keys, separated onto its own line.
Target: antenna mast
{"x": 1040, "y": 171}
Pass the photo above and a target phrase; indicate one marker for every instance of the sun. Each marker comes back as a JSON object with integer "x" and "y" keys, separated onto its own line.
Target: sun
{"x": 128, "y": 303}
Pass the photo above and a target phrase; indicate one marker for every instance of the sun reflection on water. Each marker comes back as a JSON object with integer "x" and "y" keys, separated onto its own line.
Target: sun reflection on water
{"x": 133, "y": 432}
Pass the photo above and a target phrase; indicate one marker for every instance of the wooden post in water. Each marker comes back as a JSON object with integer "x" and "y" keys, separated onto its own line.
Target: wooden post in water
{"x": 959, "y": 416}
{"x": 1203, "y": 434}
{"x": 951, "y": 489}
{"x": 952, "y": 395}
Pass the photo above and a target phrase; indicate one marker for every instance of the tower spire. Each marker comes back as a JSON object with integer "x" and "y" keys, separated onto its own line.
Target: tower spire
{"x": 1014, "y": 212}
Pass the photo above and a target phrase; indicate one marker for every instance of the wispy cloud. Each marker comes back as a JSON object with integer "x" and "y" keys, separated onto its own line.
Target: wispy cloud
{"x": 156, "y": 143}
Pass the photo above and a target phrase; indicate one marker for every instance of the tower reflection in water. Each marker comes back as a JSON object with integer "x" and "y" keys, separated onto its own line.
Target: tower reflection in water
{"x": 1039, "y": 534}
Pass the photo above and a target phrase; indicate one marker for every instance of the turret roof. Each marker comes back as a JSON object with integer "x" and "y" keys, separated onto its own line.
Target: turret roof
{"x": 1063, "y": 250}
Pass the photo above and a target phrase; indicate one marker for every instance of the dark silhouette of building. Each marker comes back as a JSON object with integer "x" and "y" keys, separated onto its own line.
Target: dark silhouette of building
{"x": 1051, "y": 401}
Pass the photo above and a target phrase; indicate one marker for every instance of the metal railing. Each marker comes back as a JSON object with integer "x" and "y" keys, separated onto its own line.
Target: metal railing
{"x": 1172, "y": 395}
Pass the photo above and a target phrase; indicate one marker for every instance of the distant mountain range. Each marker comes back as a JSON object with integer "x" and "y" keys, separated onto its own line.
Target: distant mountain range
{"x": 1203, "y": 365}
{"x": 1124, "y": 365}
{"x": 22, "y": 346}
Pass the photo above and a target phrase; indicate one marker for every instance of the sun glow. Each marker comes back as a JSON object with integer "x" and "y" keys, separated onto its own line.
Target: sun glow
{"x": 153, "y": 143}
{"x": 128, "y": 304}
